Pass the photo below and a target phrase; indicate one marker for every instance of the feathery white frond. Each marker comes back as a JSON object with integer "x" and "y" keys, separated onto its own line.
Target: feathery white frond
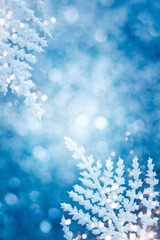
{"x": 19, "y": 41}
{"x": 108, "y": 207}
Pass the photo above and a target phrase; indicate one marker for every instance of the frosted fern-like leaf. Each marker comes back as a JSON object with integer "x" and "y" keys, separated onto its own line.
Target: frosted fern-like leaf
{"x": 19, "y": 41}
{"x": 108, "y": 207}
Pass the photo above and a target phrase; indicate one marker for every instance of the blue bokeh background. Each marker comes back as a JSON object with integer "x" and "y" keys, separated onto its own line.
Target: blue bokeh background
{"x": 101, "y": 73}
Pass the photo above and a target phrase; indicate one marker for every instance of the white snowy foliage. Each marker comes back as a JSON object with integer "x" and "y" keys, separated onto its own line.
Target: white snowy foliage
{"x": 20, "y": 39}
{"x": 110, "y": 208}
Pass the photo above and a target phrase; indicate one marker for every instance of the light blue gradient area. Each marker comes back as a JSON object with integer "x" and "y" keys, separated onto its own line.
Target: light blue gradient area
{"x": 101, "y": 73}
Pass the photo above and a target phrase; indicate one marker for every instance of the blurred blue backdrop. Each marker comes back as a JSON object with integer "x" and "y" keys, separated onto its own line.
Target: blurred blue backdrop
{"x": 101, "y": 73}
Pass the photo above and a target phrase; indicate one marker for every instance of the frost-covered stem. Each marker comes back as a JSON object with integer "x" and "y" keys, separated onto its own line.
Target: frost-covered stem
{"x": 100, "y": 191}
{"x": 130, "y": 204}
{"x": 79, "y": 153}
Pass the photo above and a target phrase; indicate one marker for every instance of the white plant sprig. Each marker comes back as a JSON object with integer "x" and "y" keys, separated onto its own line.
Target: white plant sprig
{"x": 19, "y": 41}
{"x": 107, "y": 207}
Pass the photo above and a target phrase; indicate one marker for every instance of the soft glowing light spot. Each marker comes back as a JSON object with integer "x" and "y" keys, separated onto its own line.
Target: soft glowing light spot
{"x": 14, "y": 29}
{"x": 108, "y": 237}
{"x": 71, "y": 15}
{"x": 16, "y": 88}
{"x": 158, "y": 211}
{"x": 21, "y": 24}
{"x": 110, "y": 221}
{"x": 92, "y": 225}
{"x": 140, "y": 214}
{"x": 5, "y": 53}
{"x": 41, "y": 154}
{"x": 45, "y": 23}
{"x": 35, "y": 206}
{"x": 154, "y": 203}
{"x": 12, "y": 77}
{"x": 108, "y": 189}
{"x": 82, "y": 120}
{"x": 113, "y": 205}
{"x": 127, "y": 133}
{"x": 84, "y": 236}
{"x": 10, "y": 13}
{"x": 141, "y": 196}
{"x": 114, "y": 197}
{"x": 131, "y": 152}
{"x": 100, "y": 123}
{"x": 116, "y": 186}
{"x": 134, "y": 228}
{"x": 100, "y": 36}
{"x": 34, "y": 195}
{"x": 14, "y": 36}
{"x": 2, "y": 22}
{"x": 8, "y": 80}
{"x": 45, "y": 227}
{"x": 11, "y": 199}
{"x": 16, "y": 102}
{"x": 53, "y": 19}
{"x": 68, "y": 221}
{"x": 26, "y": 94}
{"x": 138, "y": 125}
{"x": 5, "y": 65}
{"x": 149, "y": 212}
{"x": 101, "y": 224}
{"x": 108, "y": 200}
{"x": 132, "y": 236}
{"x": 113, "y": 154}
{"x": 102, "y": 203}
{"x": 44, "y": 98}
